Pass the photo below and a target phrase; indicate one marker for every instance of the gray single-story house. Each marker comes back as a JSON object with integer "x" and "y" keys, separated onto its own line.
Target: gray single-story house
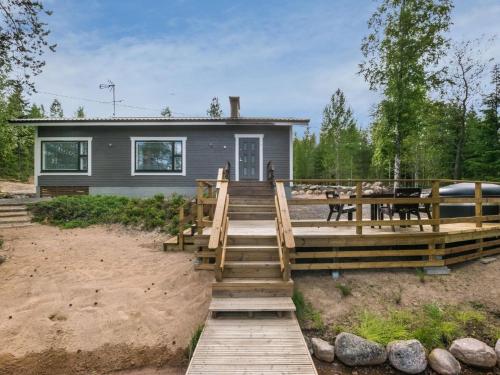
{"x": 142, "y": 156}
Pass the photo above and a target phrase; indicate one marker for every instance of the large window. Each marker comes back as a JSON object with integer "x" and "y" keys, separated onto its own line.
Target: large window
{"x": 160, "y": 155}
{"x": 65, "y": 156}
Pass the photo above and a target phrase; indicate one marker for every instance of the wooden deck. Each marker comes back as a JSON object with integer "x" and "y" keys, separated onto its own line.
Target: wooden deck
{"x": 264, "y": 345}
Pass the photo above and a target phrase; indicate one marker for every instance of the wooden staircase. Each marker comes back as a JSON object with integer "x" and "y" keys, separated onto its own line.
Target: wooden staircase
{"x": 13, "y": 215}
{"x": 251, "y": 200}
{"x": 252, "y": 328}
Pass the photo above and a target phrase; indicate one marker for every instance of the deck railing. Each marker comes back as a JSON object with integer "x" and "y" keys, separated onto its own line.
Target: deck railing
{"x": 434, "y": 200}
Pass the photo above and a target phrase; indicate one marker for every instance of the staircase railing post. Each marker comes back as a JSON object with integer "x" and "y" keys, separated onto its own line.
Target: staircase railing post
{"x": 436, "y": 211}
{"x": 199, "y": 207}
{"x": 359, "y": 208}
{"x": 479, "y": 204}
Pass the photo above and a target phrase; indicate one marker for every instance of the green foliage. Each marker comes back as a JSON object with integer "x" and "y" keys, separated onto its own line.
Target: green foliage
{"x": 344, "y": 289}
{"x": 56, "y": 109}
{"x": 306, "y": 314}
{"x": 193, "y": 342}
{"x": 404, "y": 46}
{"x": 432, "y": 325}
{"x": 420, "y": 274}
{"x": 214, "y": 110}
{"x": 343, "y": 150}
{"x": 82, "y": 211}
{"x": 80, "y": 113}
{"x": 166, "y": 112}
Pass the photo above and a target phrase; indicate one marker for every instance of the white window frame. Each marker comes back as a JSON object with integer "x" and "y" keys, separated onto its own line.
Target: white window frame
{"x": 237, "y": 154}
{"x": 145, "y": 139}
{"x": 39, "y": 158}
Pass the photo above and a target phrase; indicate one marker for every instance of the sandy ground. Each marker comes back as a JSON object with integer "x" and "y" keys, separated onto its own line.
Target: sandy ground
{"x": 16, "y": 187}
{"x": 95, "y": 300}
{"x": 469, "y": 284}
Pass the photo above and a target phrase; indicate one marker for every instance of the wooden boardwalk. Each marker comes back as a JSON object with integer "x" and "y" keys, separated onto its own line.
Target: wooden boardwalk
{"x": 266, "y": 345}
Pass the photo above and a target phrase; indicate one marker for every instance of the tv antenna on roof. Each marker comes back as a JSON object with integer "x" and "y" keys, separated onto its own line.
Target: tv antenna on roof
{"x": 111, "y": 86}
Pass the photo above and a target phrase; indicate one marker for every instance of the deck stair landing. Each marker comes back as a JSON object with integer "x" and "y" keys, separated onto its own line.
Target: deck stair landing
{"x": 251, "y": 200}
{"x": 256, "y": 304}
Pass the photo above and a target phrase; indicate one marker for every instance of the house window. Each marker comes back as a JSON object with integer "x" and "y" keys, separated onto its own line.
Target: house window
{"x": 160, "y": 155}
{"x": 65, "y": 156}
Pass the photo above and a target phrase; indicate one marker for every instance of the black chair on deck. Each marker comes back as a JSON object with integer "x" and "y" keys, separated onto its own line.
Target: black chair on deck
{"x": 339, "y": 208}
{"x": 404, "y": 210}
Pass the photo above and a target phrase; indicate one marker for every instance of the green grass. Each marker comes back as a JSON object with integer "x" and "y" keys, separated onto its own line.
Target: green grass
{"x": 344, "y": 289}
{"x": 420, "y": 274}
{"x": 306, "y": 314}
{"x": 432, "y": 325}
{"x": 194, "y": 340}
{"x": 82, "y": 211}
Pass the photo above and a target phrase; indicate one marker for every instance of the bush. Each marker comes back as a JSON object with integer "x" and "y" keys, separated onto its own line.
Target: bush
{"x": 84, "y": 210}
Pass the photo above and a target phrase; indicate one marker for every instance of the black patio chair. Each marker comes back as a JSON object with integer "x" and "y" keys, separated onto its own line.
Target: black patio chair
{"x": 404, "y": 210}
{"x": 339, "y": 208}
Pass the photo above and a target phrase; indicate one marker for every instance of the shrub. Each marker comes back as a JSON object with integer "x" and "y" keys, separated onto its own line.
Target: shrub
{"x": 382, "y": 330}
{"x": 82, "y": 211}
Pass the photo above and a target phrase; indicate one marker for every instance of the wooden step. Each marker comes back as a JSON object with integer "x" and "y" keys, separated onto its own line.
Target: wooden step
{"x": 251, "y": 207}
{"x": 251, "y": 287}
{"x": 13, "y": 213}
{"x": 251, "y": 304}
{"x": 252, "y": 215}
{"x": 251, "y": 240}
{"x": 15, "y": 220}
{"x": 13, "y": 208}
{"x": 251, "y": 200}
{"x": 252, "y": 268}
{"x": 249, "y": 253}
{"x": 15, "y": 225}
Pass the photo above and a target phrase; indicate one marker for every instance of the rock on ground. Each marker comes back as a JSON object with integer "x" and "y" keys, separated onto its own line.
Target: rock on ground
{"x": 443, "y": 362}
{"x": 356, "y": 351}
{"x": 323, "y": 350}
{"x": 474, "y": 352}
{"x": 497, "y": 351}
{"x": 407, "y": 356}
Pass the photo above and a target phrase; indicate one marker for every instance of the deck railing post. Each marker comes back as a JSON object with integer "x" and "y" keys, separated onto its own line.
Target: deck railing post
{"x": 199, "y": 207}
{"x": 436, "y": 211}
{"x": 479, "y": 204}
{"x": 359, "y": 208}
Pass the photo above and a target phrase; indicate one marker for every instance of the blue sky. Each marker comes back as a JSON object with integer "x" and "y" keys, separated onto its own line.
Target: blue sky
{"x": 284, "y": 58}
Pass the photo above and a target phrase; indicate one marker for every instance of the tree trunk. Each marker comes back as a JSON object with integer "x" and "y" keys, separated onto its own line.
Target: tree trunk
{"x": 397, "y": 158}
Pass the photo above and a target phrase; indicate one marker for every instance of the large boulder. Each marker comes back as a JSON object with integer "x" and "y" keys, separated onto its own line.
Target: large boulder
{"x": 443, "y": 362}
{"x": 473, "y": 352}
{"x": 356, "y": 351}
{"x": 323, "y": 350}
{"x": 407, "y": 356}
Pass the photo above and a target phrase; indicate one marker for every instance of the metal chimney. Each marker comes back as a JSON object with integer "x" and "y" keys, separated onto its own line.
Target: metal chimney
{"x": 235, "y": 106}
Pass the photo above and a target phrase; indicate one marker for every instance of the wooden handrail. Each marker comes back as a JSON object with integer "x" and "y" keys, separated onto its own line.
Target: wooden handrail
{"x": 219, "y": 216}
{"x": 285, "y": 216}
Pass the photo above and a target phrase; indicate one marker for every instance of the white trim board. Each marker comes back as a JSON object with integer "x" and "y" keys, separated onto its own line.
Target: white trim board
{"x": 132, "y": 155}
{"x": 38, "y": 157}
{"x": 237, "y": 154}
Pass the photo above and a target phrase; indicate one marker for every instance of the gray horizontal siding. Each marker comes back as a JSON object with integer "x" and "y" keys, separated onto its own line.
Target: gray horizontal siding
{"x": 111, "y": 159}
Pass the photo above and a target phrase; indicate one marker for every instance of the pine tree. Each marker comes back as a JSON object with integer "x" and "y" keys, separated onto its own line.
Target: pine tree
{"x": 56, "y": 109}
{"x": 80, "y": 113}
{"x": 214, "y": 110}
{"x": 166, "y": 112}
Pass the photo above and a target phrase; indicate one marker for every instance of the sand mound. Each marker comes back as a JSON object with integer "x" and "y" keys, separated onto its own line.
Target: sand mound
{"x": 95, "y": 299}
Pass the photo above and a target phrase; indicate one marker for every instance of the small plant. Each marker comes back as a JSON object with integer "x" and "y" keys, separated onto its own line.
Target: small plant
{"x": 344, "y": 289}
{"x": 193, "y": 342}
{"x": 306, "y": 313}
{"x": 382, "y": 330}
{"x": 420, "y": 274}
{"x": 398, "y": 295}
